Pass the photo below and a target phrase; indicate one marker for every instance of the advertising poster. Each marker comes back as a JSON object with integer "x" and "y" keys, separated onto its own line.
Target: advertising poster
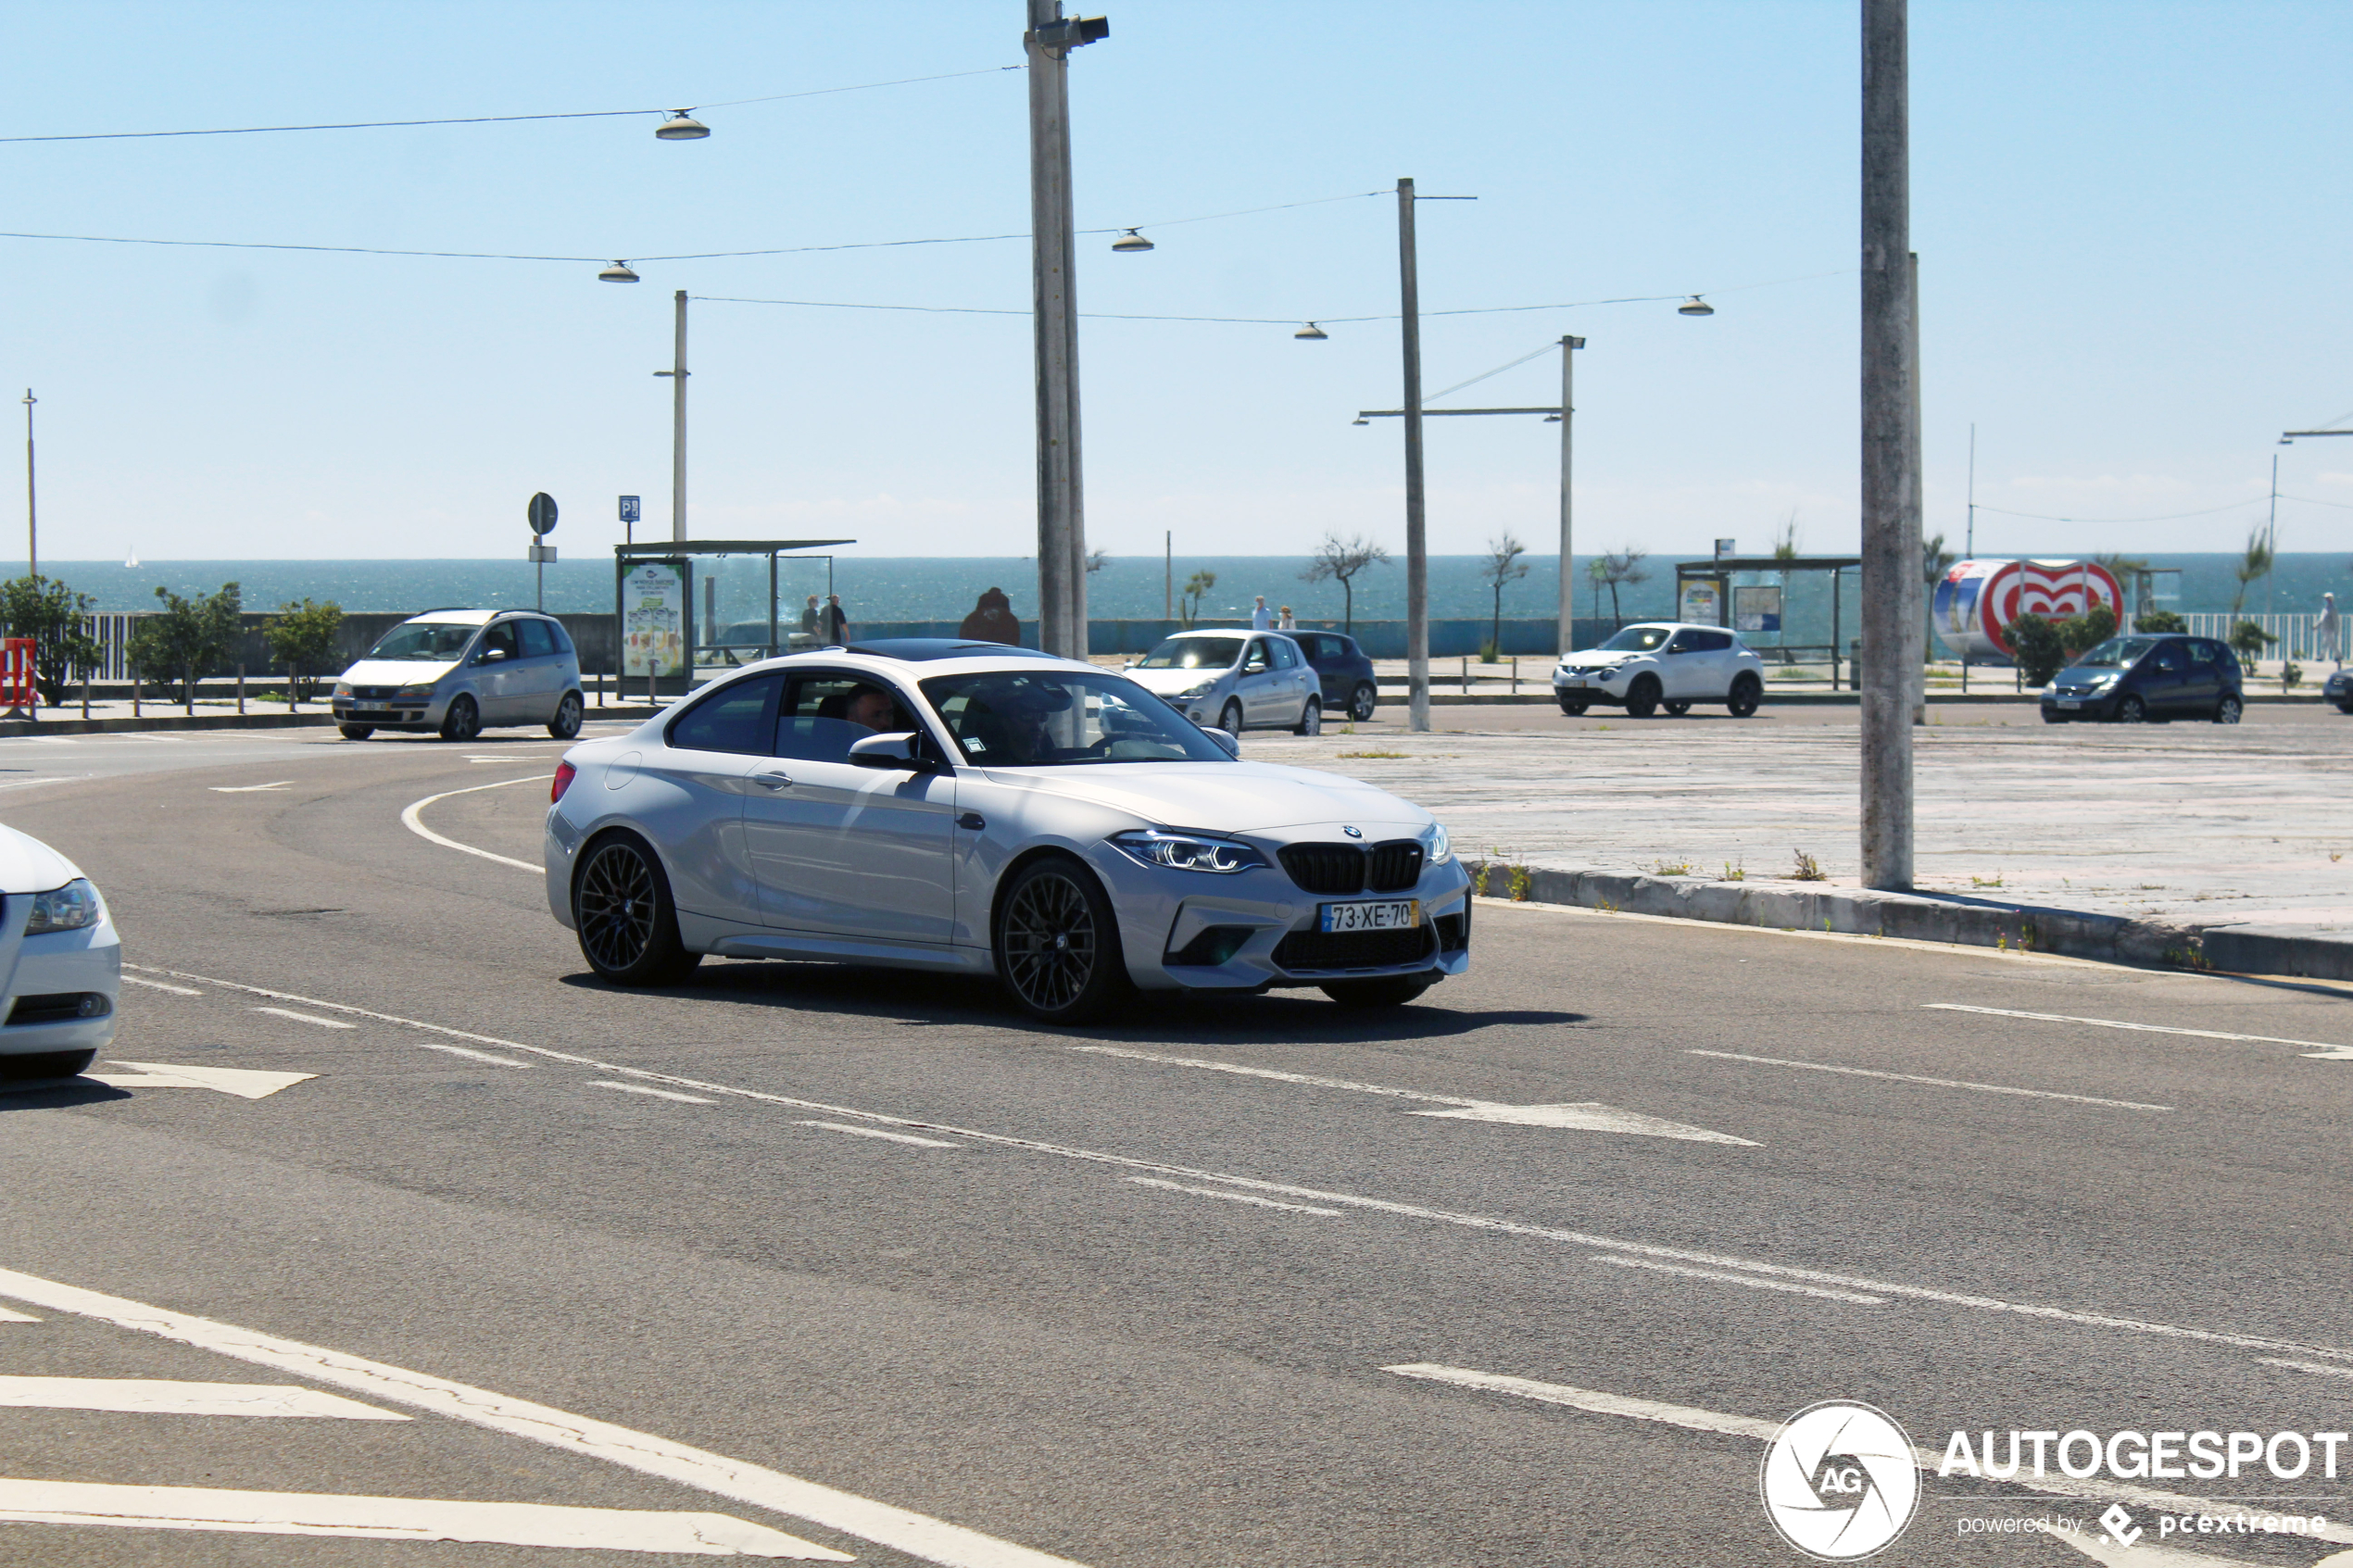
{"x": 653, "y": 619}
{"x": 1701, "y": 605}
{"x": 1757, "y": 610}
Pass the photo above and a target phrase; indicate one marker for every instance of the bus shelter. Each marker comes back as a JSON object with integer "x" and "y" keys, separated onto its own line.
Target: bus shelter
{"x": 1730, "y": 591}
{"x": 664, "y": 633}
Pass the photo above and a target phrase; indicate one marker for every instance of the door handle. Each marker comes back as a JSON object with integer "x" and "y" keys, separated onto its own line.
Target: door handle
{"x": 772, "y": 781}
{"x": 972, "y": 822}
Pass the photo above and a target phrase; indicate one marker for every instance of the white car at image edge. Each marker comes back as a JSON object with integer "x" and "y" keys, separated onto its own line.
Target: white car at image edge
{"x": 967, "y": 808}
{"x": 1656, "y": 664}
{"x": 61, "y": 960}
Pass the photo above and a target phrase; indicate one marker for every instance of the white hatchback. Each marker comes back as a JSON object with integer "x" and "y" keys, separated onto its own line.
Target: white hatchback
{"x": 61, "y": 960}
{"x": 1660, "y": 664}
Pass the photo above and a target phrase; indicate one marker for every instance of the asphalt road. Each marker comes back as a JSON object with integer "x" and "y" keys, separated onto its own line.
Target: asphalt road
{"x": 2024, "y": 713}
{"x": 866, "y": 1263}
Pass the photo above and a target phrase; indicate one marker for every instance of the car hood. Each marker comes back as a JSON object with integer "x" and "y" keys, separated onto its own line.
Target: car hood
{"x": 1594, "y": 658}
{"x": 2085, "y": 674}
{"x": 1215, "y": 797}
{"x": 26, "y": 865}
{"x": 1169, "y": 683}
{"x": 396, "y": 672}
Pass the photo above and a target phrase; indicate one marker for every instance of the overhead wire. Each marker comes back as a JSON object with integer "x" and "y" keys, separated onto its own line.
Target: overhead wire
{"x": 2162, "y": 517}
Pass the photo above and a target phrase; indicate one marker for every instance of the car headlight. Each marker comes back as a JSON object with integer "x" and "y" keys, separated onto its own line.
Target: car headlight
{"x": 1186, "y": 851}
{"x": 417, "y": 694}
{"x": 65, "y": 909}
{"x": 1437, "y": 850}
{"x": 342, "y": 688}
{"x": 1199, "y": 688}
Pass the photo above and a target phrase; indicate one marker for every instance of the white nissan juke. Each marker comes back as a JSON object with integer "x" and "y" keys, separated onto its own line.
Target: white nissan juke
{"x": 969, "y": 807}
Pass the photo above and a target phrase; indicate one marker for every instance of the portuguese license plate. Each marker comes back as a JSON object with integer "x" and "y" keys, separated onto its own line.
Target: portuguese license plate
{"x": 1395, "y": 914}
{"x": 2070, "y": 702}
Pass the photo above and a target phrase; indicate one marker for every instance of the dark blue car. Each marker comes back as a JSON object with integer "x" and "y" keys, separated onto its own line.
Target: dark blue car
{"x": 2148, "y": 675}
{"x": 1346, "y": 673}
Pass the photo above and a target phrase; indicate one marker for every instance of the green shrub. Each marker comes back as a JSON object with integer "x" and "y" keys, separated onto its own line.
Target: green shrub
{"x": 50, "y": 613}
{"x": 189, "y": 639}
{"x": 302, "y": 637}
{"x": 2082, "y": 632}
{"x": 2248, "y": 639}
{"x": 2038, "y": 648}
{"x": 2158, "y": 621}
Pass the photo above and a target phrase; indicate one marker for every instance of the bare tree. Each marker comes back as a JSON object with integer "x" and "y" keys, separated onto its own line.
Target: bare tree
{"x": 1339, "y": 561}
{"x": 1096, "y": 561}
{"x": 1616, "y": 567}
{"x": 1503, "y": 566}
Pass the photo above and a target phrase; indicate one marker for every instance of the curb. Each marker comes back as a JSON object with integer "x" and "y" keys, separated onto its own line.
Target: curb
{"x": 163, "y": 722}
{"x": 1388, "y": 698}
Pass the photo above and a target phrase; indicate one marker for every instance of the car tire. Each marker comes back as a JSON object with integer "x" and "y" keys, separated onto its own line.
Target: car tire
{"x": 45, "y": 1064}
{"x": 463, "y": 720}
{"x": 354, "y": 732}
{"x": 1574, "y": 709}
{"x": 1747, "y": 692}
{"x": 2051, "y": 717}
{"x": 1057, "y": 943}
{"x": 1311, "y": 719}
{"x": 1229, "y": 717}
{"x": 2131, "y": 709}
{"x": 2229, "y": 709}
{"x": 1362, "y": 701}
{"x": 1676, "y": 709}
{"x": 1391, "y": 991}
{"x": 1641, "y": 698}
{"x": 625, "y": 918}
{"x": 2344, "y": 708}
{"x": 565, "y": 726}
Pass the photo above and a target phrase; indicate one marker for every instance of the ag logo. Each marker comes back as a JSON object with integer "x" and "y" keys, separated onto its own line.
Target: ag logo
{"x": 1838, "y": 1482}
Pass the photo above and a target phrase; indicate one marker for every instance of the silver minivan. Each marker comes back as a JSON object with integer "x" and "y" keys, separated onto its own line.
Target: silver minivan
{"x": 1235, "y": 681}
{"x": 456, "y": 671}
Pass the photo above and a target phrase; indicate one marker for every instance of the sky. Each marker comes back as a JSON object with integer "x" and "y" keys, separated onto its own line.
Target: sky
{"x": 2130, "y": 218}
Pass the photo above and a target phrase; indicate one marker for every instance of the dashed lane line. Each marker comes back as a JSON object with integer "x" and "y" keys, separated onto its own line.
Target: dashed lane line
{"x": 163, "y": 986}
{"x": 649, "y": 1090}
{"x": 1233, "y": 1197}
{"x": 1936, "y": 1082}
{"x": 880, "y": 1133}
{"x": 306, "y": 1018}
{"x": 935, "y": 1540}
{"x": 1752, "y": 1282}
{"x": 1487, "y": 1223}
{"x": 412, "y": 819}
{"x": 2324, "y": 1051}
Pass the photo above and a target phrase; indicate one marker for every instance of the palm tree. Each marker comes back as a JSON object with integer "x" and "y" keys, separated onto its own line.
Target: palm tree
{"x": 2255, "y": 564}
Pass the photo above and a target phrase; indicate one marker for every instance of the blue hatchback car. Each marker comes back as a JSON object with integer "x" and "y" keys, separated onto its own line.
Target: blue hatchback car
{"x": 1344, "y": 673}
{"x": 2148, "y": 675}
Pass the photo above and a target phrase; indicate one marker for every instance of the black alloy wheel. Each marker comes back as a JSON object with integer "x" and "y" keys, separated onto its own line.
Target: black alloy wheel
{"x": 1641, "y": 698}
{"x": 1391, "y": 991}
{"x": 1676, "y": 709}
{"x": 1361, "y": 700}
{"x": 1058, "y": 944}
{"x": 566, "y": 723}
{"x": 1229, "y": 717}
{"x": 628, "y": 925}
{"x": 463, "y": 720}
{"x": 2131, "y": 709}
{"x": 2228, "y": 710}
{"x": 1747, "y": 692}
{"x": 1574, "y": 709}
{"x": 356, "y": 732}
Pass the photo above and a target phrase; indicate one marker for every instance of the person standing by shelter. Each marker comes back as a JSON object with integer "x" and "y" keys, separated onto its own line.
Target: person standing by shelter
{"x": 833, "y": 625}
{"x": 809, "y": 616}
{"x": 1261, "y": 618}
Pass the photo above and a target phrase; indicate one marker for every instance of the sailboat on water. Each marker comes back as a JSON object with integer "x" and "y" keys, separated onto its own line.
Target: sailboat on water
{"x": 132, "y": 559}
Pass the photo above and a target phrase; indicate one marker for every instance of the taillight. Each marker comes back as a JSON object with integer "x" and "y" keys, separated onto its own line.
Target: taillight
{"x": 564, "y": 775}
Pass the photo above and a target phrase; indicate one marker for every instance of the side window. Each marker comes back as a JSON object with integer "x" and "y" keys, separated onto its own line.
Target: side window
{"x": 1711, "y": 642}
{"x": 563, "y": 638}
{"x": 2202, "y": 655}
{"x": 1284, "y": 658}
{"x": 2169, "y": 658}
{"x": 734, "y": 718}
{"x": 2224, "y": 655}
{"x": 536, "y": 643}
{"x": 1257, "y": 659}
{"x": 501, "y": 638}
{"x": 1685, "y": 641}
{"x": 823, "y": 714}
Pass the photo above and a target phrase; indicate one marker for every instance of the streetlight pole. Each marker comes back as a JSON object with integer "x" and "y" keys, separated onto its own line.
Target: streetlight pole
{"x": 678, "y": 426}
{"x": 33, "y": 512}
{"x": 1062, "y": 525}
{"x": 1416, "y": 532}
{"x": 1568, "y": 570}
{"x": 1891, "y": 552}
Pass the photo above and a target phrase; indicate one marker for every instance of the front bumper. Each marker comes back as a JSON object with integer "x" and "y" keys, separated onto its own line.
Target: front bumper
{"x": 49, "y": 973}
{"x": 392, "y": 714}
{"x": 1585, "y": 687}
{"x": 2100, "y": 706}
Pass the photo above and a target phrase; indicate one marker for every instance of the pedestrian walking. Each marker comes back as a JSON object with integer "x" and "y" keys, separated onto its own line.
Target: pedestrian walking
{"x": 1261, "y": 618}
{"x": 833, "y": 625}
{"x": 2332, "y": 645}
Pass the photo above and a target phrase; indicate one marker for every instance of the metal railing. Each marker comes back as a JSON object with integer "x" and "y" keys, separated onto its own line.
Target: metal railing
{"x": 2298, "y": 635}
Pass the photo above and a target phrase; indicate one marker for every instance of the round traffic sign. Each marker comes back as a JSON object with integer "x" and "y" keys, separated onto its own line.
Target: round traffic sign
{"x": 543, "y": 513}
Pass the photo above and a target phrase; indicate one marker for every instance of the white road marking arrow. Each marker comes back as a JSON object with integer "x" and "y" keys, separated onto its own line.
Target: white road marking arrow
{"x": 245, "y": 1083}
{"x": 1587, "y": 1116}
{"x": 148, "y": 1395}
{"x": 7, "y": 1316}
{"x": 247, "y": 789}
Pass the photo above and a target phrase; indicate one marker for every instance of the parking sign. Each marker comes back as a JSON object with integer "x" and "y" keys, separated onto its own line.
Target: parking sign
{"x": 629, "y": 509}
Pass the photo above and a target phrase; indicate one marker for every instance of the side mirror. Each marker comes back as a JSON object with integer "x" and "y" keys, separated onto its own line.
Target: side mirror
{"x": 1227, "y": 742}
{"x": 895, "y": 752}
{"x": 490, "y": 655}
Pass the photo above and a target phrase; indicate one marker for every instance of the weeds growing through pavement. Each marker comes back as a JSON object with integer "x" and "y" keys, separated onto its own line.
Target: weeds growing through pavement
{"x": 1384, "y": 754}
{"x": 1519, "y": 885}
{"x": 1671, "y": 868}
{"x": 1994, "y": 881}
{"x": 1807, "y": 868}
{"x": 1735, "y": 874}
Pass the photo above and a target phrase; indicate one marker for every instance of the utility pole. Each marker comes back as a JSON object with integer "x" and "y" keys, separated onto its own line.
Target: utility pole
{"x": 678, "y": 372}
{"x": 1915, "y": 699}
{"x": 1891, "y": 544}
{"x": 32, "y": 511}
{"x": 1568, "y": 567}
{"x": 1416, "y": 532}
{"x": 1061, "y": 523}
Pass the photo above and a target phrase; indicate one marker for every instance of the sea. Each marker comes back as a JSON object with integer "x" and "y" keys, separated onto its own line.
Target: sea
{"x": 888, "y": 588}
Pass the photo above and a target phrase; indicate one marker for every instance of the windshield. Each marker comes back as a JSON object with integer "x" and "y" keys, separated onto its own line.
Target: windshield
{"x": 428, "y": 642}
{"x": 2116, "y": 653}
{"x": 1005, "y": 718}
{"x": 1194, "y": 653}
{"x": 1638, "y": 639}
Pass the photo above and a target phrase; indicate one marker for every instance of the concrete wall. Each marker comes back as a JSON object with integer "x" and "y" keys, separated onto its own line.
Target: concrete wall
{"x": 1381, "y": 639}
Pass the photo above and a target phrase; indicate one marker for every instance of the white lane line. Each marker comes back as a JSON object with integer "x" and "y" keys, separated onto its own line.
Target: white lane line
{"x": 305, "y": 1018}
{"x": 7, "y": 1316}
{"x": 469, "y": 1055}
{"x": 644, "y": 1089}
{"x": 1693, "y": 1419}
{"x": 1232, "y": 1196}
{"x": 2322, "y": 1368}
{"x": 1490, "y": 1223}
{"x": 247, "y": 789}
{"x": 935, "y": 1540}
{"x": 879, "y": 1133}
{"x": 1935, "y": 1083}
{"x": 1752, "y": 1282}
{"x": 440, "y": 1029}
{"x": 1584, "y": 1116}
{"x": 412, "y": 820}
{"x": 399, "y": 1519}
{"x": 160, "y": 986}
{"x": 2324, "y": 1051}
{"x": 148, "y": 1395}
